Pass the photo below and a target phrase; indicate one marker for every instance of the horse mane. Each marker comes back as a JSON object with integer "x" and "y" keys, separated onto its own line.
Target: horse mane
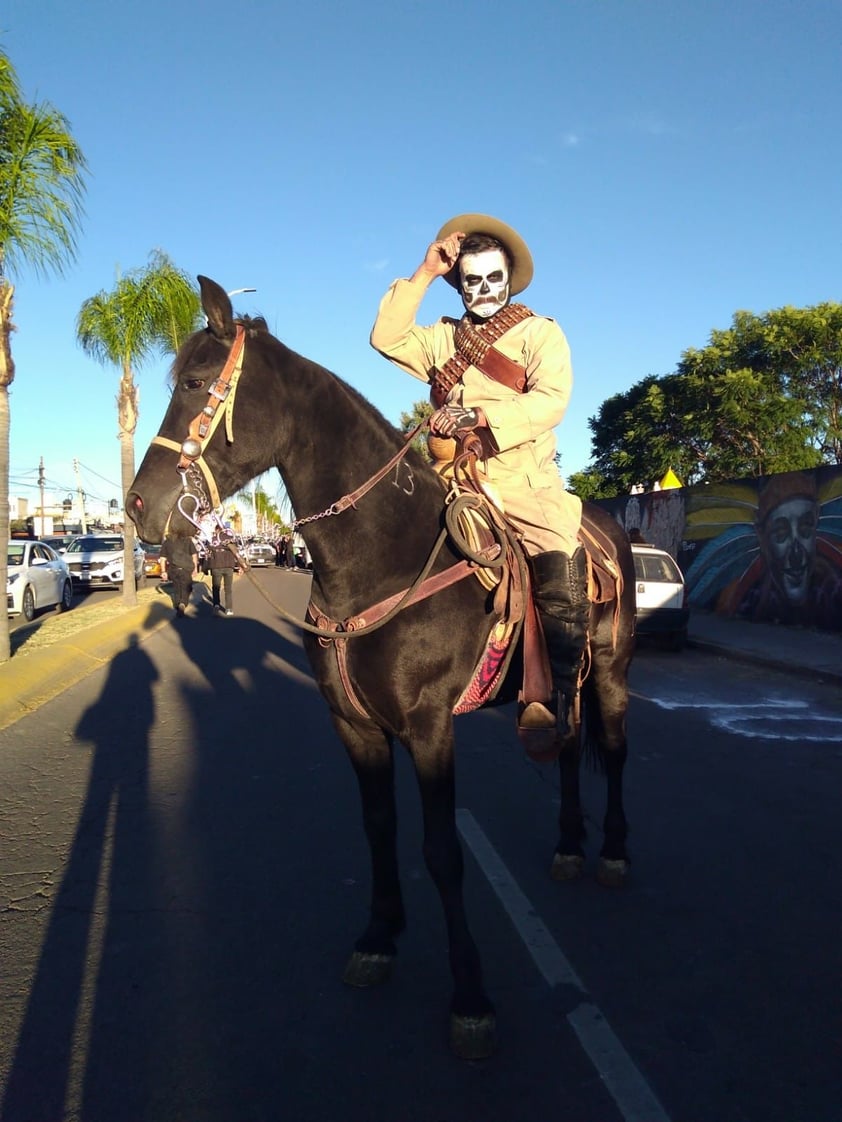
{"x": 254, "y": 325}
{"x": 189, "y": 350}
{"x": 191, "y": 353}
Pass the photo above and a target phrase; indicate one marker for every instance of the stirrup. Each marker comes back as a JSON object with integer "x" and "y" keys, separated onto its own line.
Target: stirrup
{"x": 537, "y": 732}
{"x": 536, "y": 716}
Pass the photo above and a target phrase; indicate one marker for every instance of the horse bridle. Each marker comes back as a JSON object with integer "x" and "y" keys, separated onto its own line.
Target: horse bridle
{"x": 191, "y": 464}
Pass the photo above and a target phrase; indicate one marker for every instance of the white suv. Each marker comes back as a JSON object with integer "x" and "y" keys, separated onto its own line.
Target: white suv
{"x": 660, "y": 596}
{"x": 96, "y": 561}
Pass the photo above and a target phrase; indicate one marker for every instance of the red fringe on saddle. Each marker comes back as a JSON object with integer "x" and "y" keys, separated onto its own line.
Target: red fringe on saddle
{"x": 488, "y": 676}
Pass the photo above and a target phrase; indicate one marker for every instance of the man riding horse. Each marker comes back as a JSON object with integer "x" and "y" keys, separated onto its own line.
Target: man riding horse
{"x": 503, "y": 373}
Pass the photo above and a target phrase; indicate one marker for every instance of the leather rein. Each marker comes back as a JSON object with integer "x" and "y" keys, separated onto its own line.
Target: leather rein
{"x": 205, "y": 500}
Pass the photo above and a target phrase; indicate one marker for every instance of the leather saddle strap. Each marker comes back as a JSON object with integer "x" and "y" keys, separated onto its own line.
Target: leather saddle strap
{"x": 475, "y": 347}
{"x": 537, "y": 676}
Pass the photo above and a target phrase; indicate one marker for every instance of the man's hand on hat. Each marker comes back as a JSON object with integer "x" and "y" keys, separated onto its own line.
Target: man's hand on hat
{"x": 442, "y": 255}
{"x": 452, "y": 419}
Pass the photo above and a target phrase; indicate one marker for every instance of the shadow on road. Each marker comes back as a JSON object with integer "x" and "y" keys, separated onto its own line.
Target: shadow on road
{"x": 178, "y": 844}
{"x": 108, "y": 850}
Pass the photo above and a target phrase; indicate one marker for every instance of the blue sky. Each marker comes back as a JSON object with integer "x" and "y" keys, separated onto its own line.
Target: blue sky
{"x": 669, "y": 162}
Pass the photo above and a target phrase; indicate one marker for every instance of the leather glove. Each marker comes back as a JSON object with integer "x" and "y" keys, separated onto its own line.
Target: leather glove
{"x": 451, "y": 419}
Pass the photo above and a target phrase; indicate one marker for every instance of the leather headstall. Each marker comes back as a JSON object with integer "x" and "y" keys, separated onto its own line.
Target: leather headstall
{"x": 221, "y": 391}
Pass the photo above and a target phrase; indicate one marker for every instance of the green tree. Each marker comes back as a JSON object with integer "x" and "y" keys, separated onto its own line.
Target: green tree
{"x": 804, "y": 347}
{"x": 589, "y": 485}
{"x": 149, "y": 312}
{"x": 764, "y": 396}
{"x": 42, "y": 184}
{"x": 421, "y": 411}
{"x": 267, "y": 517}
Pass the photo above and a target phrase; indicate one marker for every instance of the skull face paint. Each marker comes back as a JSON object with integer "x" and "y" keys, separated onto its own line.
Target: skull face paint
{"x": 484, "y": 282}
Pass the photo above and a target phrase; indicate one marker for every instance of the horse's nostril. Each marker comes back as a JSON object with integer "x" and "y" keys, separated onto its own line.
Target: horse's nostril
{"x": 137, "y": 502}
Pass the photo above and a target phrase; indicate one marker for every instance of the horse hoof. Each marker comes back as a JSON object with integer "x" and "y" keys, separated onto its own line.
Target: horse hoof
{"x": 366, "y": 970}
{"x": 473, "y": 1038}
{"x": 612, "y": 874}
{"x": 567, "y": 866}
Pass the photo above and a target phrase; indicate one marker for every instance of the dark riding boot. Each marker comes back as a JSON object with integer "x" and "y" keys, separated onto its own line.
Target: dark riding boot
{"x": 560, "y": 588}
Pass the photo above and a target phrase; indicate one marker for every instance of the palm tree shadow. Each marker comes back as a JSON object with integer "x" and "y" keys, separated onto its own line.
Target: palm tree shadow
{"x": 107, "y": 856}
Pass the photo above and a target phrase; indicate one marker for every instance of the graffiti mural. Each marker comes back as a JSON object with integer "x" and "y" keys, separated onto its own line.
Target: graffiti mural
{"x": 656, "y": 517}
{"x": 767, "y": 549}
{"x": 761, "y": 549}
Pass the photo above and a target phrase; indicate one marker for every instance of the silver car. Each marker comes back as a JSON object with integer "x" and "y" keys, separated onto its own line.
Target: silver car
{"x": 37, "y": 578}
{"x": 96, "y": 561}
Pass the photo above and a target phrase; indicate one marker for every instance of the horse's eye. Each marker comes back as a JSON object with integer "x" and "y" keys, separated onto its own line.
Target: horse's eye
{"x": 194, "y": 384}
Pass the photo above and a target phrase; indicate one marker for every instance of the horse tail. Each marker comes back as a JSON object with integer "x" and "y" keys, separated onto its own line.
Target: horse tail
{"x": 591, "y": 732}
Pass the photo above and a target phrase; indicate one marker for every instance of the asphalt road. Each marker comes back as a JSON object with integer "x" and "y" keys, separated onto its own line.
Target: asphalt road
{"x": 183, "y": 873}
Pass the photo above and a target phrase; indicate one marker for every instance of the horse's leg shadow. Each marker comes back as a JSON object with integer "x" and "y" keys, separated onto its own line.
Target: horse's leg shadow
{"x": 370, "y": 750}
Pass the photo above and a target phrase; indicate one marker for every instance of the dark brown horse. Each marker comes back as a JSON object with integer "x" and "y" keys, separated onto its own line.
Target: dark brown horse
{"x": 243, "y": 402}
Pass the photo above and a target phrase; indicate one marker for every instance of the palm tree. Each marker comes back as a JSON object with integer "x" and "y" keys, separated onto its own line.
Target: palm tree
{"x": 150, "y": 311}
{"x": 42, "y": 183}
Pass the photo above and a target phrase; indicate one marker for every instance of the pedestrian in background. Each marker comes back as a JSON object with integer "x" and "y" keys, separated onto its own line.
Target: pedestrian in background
{"x": 222, "y": 561}
{"x": 178, "y": 564}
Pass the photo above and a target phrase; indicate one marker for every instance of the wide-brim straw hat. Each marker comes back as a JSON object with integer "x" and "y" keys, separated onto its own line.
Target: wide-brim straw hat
{"x": 522, "y": 267}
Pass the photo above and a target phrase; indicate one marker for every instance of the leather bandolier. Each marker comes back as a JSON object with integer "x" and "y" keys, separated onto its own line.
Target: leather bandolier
{"x": 475, "y": 347}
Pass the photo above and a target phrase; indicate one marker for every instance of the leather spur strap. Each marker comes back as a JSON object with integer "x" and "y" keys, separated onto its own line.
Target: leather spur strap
{"x": 475, "y": 347}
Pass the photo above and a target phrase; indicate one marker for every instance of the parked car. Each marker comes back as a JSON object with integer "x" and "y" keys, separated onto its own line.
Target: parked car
{"x": 660, "y": 595}
{"x": 260, "y": 554}
{"x": 60, "y": 542}
{"x": 37, "y": 578}
{"x": 97, "y": 561}
{"x": 151, "y": 559}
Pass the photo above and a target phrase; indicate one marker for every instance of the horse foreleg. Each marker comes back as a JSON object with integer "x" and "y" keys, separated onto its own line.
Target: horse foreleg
{"x": 614, "y": 865}
{"x": 472, "y": 1021}
{"x": 370, "y": 750}
{"x": 569, "y": 857}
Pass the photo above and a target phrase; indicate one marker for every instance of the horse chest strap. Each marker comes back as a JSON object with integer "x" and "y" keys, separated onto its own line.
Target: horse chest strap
{"x": 340, "y": 645}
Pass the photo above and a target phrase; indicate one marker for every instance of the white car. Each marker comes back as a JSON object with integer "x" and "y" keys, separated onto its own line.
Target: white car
{"x": 96, "y": 561}
{"x": 37, "y": 578}
{"x": 660, "y": 596}
{"x": 260, "y": 554}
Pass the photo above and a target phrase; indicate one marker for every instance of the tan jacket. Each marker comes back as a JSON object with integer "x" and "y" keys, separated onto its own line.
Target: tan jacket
{"x": 522, "y": 465}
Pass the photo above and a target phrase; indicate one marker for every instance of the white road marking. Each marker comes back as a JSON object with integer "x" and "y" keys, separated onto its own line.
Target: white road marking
{"x": 632, "y": 1094}
{"x": 774, "y": 718}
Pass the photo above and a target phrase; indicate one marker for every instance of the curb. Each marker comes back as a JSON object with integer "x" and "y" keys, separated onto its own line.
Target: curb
{"x": 754, "y": 658}
{"x": 28, "y": 681}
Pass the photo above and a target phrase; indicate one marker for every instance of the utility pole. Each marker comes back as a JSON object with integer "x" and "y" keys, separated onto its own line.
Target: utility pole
{"x": 41, "y": 489}
{"x": 81, "y": 495}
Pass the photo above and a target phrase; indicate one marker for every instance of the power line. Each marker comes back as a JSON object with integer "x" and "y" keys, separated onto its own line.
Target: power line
{"x": 110, "y": 482}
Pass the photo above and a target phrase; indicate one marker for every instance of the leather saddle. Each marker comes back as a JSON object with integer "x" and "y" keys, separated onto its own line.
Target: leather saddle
{"x": 515, "y": 608}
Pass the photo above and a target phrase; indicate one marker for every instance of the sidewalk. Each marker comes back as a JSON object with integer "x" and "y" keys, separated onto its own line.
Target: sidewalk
{"x": 795, "y": 650}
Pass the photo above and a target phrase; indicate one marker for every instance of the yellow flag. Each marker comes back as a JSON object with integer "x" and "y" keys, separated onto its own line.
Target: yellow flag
{"x": 670, "y": 480}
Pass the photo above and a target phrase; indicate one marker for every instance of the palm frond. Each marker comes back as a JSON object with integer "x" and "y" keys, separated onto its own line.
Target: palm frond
{"x": 42, "y": 185}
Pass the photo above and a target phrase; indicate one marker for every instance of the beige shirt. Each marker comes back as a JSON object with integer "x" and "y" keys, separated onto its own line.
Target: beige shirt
{"x": 522, "y": 465}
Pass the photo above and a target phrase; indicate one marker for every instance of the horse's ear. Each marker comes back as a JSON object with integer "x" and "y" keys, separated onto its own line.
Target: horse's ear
{"x": 217, "y": 307}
